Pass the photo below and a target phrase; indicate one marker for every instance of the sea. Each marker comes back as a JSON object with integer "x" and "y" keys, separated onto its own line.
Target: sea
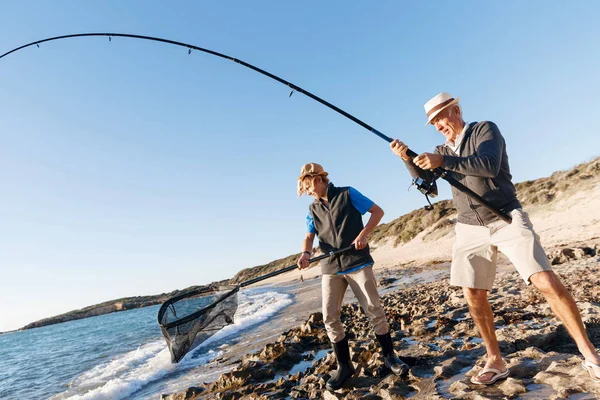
{"x": 123, "y": 355}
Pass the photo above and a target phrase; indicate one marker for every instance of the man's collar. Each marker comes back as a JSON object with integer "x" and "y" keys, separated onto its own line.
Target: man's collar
{"x": 454, "y": 144}
{"x": 464, "y": 130}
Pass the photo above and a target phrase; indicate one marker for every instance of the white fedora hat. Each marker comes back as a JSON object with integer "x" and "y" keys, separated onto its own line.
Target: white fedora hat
{"x": 434, "y": 106}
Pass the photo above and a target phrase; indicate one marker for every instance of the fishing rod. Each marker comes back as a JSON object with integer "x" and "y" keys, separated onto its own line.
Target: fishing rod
{"x": 438, "y": 172}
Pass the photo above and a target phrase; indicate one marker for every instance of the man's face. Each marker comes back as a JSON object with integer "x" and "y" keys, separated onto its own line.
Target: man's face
{"x": 448, "y": 122}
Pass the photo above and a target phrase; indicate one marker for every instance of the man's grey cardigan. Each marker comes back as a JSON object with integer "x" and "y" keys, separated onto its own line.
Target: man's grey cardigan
{"x": 482, "y": 167}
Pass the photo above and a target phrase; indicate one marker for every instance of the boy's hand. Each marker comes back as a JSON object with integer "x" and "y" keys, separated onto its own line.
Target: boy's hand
{"x": 303, "y": 261}
{"x": 360, "y": 242}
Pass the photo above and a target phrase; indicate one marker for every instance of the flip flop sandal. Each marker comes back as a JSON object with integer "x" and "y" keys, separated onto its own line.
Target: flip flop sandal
{"x": 589, "y": 367}
{"x": 497, "y": 375}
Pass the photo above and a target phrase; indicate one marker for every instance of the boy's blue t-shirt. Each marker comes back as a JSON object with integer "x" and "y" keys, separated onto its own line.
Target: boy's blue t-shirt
{"x": 362, "y": 203}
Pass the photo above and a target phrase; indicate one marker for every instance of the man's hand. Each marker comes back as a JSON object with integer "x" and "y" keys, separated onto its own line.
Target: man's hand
{"x": 303, "y": 261}
{"x": 399, "y": 149}
{"x": 361, "y": 241}
{"x": 428, "y": 160}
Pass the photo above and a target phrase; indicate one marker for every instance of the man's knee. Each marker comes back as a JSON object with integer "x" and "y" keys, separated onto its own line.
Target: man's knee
{"x": 475, "y": 297}
{"x": 548, "y": 283}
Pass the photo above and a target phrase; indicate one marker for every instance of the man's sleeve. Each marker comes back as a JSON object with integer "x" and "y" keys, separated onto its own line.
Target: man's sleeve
{"x": 310, "y": 224}
{"x": 416, "y": 172}
{"x": 486, "y": 162}
{"x": 359, "y": 201}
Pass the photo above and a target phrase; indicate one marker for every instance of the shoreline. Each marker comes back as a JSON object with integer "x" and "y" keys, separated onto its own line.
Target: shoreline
{"x": 571, "y": 216}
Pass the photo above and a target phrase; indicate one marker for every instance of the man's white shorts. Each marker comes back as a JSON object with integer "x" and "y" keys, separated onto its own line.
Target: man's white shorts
{"x": 476, "y": 248}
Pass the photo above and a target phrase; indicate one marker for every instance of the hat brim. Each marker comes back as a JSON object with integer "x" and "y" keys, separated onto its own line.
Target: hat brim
{"x": 432, "y": 116}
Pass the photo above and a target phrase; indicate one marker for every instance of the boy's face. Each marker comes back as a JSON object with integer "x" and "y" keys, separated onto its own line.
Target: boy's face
{"x": 316, "y": 188}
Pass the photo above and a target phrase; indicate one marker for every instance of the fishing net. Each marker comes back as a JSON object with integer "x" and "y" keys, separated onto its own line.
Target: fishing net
{"x": 189, "y": 319}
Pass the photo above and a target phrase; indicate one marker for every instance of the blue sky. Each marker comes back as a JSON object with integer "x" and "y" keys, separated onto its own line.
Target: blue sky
{"x": 132, "y": 168}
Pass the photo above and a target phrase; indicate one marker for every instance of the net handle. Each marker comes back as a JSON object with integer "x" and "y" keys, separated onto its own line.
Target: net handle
{"x": 190, "y": 317}
{"x": 292, "y": 267}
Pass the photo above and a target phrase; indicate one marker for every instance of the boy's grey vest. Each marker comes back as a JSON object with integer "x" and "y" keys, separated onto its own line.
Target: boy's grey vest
{"x": 337, "y": 227}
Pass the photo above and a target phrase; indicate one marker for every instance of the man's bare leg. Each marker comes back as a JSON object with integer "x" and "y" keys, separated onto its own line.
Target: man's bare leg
{"x": 482, "y": 315}
{"x": 565, "y": 309}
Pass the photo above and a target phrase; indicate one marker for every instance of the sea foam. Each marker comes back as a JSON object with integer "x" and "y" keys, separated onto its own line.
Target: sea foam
{"x": 127, "y": 373}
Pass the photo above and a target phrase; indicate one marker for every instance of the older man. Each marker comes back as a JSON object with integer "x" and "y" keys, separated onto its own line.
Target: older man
{"x": 475, "y": 154}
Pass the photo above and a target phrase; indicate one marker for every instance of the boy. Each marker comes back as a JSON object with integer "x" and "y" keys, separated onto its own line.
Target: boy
{"x": 336, "y": 217}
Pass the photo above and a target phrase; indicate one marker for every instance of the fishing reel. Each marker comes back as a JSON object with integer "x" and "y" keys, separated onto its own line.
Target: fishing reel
{"x": 427, "y": 188}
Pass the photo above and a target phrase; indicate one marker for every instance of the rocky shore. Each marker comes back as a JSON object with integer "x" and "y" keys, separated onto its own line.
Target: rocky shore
{"x": 435, "y": 335}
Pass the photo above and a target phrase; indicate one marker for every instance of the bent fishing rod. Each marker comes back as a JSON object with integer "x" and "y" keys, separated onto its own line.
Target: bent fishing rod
{"x": 439, "y": 172}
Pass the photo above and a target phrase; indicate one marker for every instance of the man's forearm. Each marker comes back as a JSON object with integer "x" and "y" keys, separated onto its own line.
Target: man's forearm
{"x": 487, "y": 166}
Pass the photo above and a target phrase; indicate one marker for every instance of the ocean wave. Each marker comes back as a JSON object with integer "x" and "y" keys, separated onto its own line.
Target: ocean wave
{"x": 128, "y": 373}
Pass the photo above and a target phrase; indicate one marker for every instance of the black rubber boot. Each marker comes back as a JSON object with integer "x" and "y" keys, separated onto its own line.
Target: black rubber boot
{"x": 345, "y": 368}
{"x": 392, "y": 361}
